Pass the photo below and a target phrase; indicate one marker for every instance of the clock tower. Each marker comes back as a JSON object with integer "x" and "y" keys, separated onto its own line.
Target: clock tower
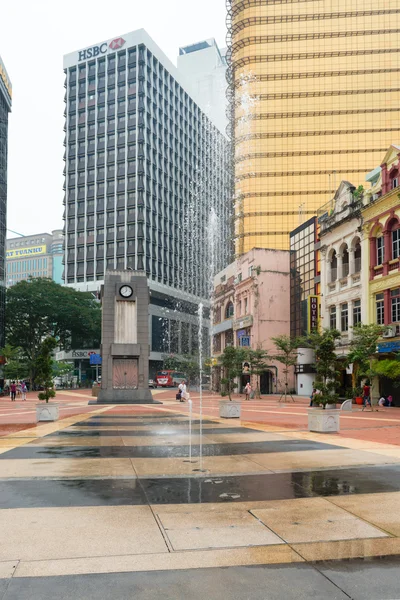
{"x": 125, "y": 339}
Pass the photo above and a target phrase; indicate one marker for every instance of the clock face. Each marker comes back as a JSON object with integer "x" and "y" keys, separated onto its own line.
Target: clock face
{"x": 126, "y": 291}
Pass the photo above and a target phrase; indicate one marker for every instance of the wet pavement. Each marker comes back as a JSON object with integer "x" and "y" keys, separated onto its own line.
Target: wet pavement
{"x": 107, "y": 504}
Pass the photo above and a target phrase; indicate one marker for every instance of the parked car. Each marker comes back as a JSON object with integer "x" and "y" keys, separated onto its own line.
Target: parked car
{"x": 152, "y": 384}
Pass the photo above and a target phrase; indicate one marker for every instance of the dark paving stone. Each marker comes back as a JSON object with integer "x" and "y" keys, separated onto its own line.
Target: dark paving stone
{"x": 143, "y": 423}
{"x": 166, "y": 451}
{"x": 273, "y": 582}
{"x": 4, "y": 583}
{"x": 356, "y": 480}
{"x": 198, "y": 490}
{"x": 194, "y": 490}
{"x": 154, "y": 431}
{"x": 137, "y": 417}
{"x": 366, "y": 579}
{"x": 70, "y": 492}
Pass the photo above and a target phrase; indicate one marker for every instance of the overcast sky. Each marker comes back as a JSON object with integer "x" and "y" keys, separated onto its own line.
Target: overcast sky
{"x": 34, "y": 36}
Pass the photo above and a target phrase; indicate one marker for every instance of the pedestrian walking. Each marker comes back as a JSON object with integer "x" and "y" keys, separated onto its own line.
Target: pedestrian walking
{"x": 312, "y": 396}
{"x": 24, "y": 389}
{"x": 367, "y": 396}
{"x": 13, "y": 391}
{"x": 247, "y": 390}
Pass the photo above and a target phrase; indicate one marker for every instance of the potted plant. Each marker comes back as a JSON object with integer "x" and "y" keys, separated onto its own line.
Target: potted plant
{"x": 231, "y": 362}
{"x": 47, "y": 411}
{"x": 358, "y": 395}
{"x": 324, "y": 345}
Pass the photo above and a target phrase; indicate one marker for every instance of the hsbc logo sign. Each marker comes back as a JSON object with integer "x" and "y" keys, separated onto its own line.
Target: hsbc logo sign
{"x": 95, "y": 51}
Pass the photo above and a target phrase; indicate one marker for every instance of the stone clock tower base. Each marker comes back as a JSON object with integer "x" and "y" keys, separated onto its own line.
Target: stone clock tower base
{"x": 125, "y": 339}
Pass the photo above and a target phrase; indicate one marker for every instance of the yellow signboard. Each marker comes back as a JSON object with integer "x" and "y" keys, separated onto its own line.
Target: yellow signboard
{"x": 313, "y": 313}
{"x": 4, "y": 77}
{"x": 26, "y": 252}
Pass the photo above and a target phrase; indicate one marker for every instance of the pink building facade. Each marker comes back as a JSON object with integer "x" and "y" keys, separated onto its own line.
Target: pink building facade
{"x": 251, "y": 305}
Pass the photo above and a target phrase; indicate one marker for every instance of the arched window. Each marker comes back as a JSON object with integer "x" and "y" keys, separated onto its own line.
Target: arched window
{"x": 333, "y": 264}
{"x": 357, "y": 257}
{"x": 380, "y": 248}
{"x": 394, "y": 228}
{"x": 345, "y": 261}
{"x": 229, "y": 310}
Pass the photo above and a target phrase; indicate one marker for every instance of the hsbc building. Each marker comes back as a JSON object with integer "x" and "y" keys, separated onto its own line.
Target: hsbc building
{"x": 136, "y": 139}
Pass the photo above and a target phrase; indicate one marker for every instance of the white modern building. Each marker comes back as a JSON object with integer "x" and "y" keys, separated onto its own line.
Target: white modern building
{"x": 343, "y": 297}
{"x": 204, "y": 67}
{"x": 144, "y": 166}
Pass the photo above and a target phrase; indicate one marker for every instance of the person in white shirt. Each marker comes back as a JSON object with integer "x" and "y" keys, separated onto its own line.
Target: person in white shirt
{"x": 183, "y": 391}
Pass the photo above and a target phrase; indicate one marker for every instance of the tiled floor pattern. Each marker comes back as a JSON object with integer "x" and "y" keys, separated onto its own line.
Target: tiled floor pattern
{"x": 113, "y": 492}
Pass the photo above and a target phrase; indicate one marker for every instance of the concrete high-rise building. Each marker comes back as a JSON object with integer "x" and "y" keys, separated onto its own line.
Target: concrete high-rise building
{"x": 5, "y": 108}
{"x": 144, "y": 169}
{"x": 38, "y": 255}
{"x": 204, "y": 66}
{"x": 315, "y": 90}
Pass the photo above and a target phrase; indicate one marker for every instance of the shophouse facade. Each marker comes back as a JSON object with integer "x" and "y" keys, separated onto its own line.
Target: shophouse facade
{"x": 381, "y": 264}
{"x": 251, "y": 306}
{"x": 343, "y": 295}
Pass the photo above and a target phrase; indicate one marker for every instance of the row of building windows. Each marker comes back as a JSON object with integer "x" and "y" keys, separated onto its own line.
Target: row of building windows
{"x": 394, "y": 307}
{"x": 339, "y": 316}
{"x": 27, "y": 265}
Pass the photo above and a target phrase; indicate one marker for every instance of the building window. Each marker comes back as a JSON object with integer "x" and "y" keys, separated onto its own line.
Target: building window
{"x": 396, "y": 243}
{"x": 246, "y": 306}
{"x": 229, "y": 310}
{"x": 356, "y": 312}
{"x": 395, "y": 301}
{"x": 217, "y": 343}
{"x": 332, "y": 317}
{"x": 344, "y": 317}
{"x": 217, "y": 315}
{"x": 380, "y": 309}
{"x": 333, "y": 267}
{"x": 380, "y": 250}
{"x": 357, "y": 258}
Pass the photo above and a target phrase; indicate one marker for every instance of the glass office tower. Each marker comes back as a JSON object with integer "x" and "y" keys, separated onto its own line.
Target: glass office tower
{"x": 146, "y": 175}
{"x": 315, "y": 88}
{"x": 144, "y": 167}
{"x": 5, "y": 108}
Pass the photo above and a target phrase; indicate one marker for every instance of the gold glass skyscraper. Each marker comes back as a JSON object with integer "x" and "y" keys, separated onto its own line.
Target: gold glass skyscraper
{"x": 315, "y": 90}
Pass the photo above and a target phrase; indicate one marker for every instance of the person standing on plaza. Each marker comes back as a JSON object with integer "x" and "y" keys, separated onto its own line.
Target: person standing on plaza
{"x": 24, "y": 389}
{"x": 183, "y": 390}
{"x": 13, "y": 391}
{"x": 247, "y": 390}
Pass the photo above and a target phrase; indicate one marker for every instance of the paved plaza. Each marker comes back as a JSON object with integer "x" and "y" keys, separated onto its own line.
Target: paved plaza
{"x": 107, "y": 503}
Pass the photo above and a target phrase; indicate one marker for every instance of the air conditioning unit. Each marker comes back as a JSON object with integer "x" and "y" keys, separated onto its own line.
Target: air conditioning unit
{"x": 390, "y": 332}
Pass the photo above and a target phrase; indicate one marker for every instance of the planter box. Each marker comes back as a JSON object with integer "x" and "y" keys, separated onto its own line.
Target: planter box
{"x": 323, "y": 421}
{"x": 47, "y": 411}
{"x": 229, "y": 409}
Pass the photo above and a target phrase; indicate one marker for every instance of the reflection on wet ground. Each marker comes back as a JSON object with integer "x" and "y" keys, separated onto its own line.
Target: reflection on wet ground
{"x": 256, "y": 497}
{"x": 164, "y": 451}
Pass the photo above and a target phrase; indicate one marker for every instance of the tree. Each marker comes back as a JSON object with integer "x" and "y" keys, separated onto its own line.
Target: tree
{"x": 15, "y": 367}
{"x": 44, "y": 368}
{"x": 324, "y": 346}
{"x": 40, "y": 308}
{"x": 172, "y": 363}
{"x": 287, "y": 355}
{"x": 231, "y": 361}
{"x": 388, "y": 367}
{"x": 257, "y": 361}
{"x": 363, "y": 350}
